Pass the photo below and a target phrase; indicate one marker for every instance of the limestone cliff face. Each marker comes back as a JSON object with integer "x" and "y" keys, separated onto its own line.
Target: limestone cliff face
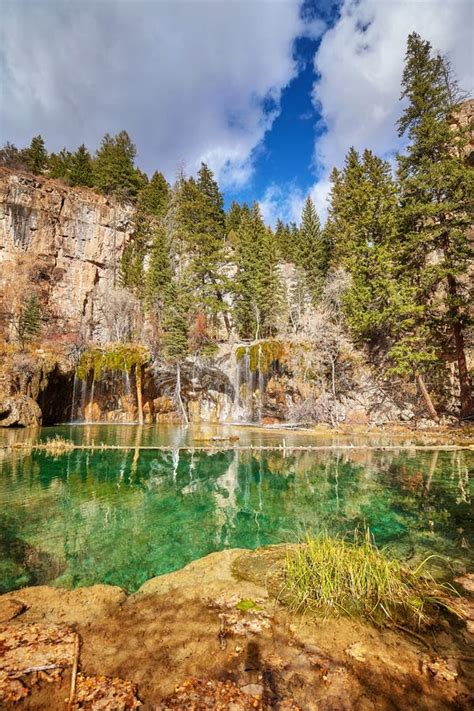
{"x": 65, "y": 241}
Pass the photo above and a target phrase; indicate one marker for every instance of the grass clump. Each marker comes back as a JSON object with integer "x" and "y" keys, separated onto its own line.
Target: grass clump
{"x": 331, "y": 576}
{"x": 56, "y": 446}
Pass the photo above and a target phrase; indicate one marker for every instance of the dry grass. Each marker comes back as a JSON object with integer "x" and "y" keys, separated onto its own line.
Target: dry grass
{"x": 331, "y": 576}
{"x": 56, "y": 445}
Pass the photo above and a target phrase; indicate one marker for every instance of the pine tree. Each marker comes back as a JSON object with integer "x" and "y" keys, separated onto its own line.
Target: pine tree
{"x": 233, "y": 217}
{"x": 154, "y": 197}
{"x": 159, "y": 276}
{"x": 283, "y": 240}
{"x": 29, "y": 322}
{"x": 132, "y": 265}
{"x": 175, "y": 324}
{"x": 59, "y": 165}
{"x": 114, "y": 171}
{"x": 312, "y": 250}
{"x": 37, "y": 156}
{"x": 436, "y": 190}
{"x": 360, "y": 231}
{"x": 257, "y": 285}
{"x": 81, "y": 167}
{"x": 199, "y": 228}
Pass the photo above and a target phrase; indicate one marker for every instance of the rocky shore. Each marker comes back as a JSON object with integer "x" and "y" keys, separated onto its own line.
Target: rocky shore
{"x": 213, "y": 635}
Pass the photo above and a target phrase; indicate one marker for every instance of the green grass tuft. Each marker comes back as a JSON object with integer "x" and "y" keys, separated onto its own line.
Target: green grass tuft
{"x": 332, "y": 576}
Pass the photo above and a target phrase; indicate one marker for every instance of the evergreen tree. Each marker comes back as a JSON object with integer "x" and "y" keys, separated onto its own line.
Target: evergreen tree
{"x": 151, "y": 205}
{"x": 59, "y": 165}
{"x": 283, "y": 240}
{"x": 159, "y": 276}
{"x": 312, "y": 250}
{"x": 113, "y": 170}
{"x": 199, "y": 228}
{"x": 132, "y": 266}
{"x": 257, "y": 286}
{"x": 361, "y": 229}
{"x": 175, "y": 324}
{"x": 436, "y": 184}
{"x": 29, "y": 321}
{"x": 233, "y": 217}
{"x": 81, "y": 168}
{"x": 154, "y": 197}
{"x": 37, "y": 156}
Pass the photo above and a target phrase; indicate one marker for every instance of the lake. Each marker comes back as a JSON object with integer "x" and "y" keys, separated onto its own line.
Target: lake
{"x": 123, "y": 516}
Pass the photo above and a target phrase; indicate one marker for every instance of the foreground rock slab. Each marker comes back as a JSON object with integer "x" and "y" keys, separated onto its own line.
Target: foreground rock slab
{"x": 213, "y": 636}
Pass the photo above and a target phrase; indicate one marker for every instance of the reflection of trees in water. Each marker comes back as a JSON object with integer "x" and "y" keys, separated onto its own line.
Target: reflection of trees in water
{"x": 122, "y": 516}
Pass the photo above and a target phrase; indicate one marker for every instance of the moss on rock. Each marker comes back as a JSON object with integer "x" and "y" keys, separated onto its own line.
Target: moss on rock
{"x": 122, "y": 357}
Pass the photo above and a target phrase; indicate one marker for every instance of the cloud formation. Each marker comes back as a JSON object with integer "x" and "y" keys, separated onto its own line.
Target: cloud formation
{"x": 188, "y": 80}
{"x": 360, "y": 63}
{"x": 282, "y": 202}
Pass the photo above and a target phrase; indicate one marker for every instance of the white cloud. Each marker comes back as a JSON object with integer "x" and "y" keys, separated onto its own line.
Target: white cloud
{"x": 360, "y": 62}
{"x": 282, "y": 202}
{"x": 187, "y": 79}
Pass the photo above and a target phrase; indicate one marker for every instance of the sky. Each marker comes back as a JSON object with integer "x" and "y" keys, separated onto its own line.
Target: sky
{"x": 269, "y": 93}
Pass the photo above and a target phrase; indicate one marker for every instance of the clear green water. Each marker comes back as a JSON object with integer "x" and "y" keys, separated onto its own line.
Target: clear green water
{"x": 121, "y": 517}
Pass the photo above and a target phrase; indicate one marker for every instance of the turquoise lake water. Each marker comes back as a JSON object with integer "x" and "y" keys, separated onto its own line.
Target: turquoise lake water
{"x": 124, "y": 516}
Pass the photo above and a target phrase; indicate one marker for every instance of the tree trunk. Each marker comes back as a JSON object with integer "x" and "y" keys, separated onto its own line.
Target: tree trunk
{"x": 426, "y": 396}
{"x": 463, "y": 373}
{"x": 138, "y": 383}
{"x": 178, "y": 394}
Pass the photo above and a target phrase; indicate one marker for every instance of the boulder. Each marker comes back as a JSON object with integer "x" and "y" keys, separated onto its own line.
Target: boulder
{"x": 19, "y": 411}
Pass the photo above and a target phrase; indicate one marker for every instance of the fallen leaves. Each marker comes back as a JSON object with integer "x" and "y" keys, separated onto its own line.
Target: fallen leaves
{"x": 102, "y": 693}
{"x": 37, "y": 652}
{"x": 40, "y": 649}
{"x": 206, "y": 694}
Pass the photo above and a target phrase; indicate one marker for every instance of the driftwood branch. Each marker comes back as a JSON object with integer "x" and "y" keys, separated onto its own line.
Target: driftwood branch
{"x": 74, "y": 673}
{"x": 31, "y": 670}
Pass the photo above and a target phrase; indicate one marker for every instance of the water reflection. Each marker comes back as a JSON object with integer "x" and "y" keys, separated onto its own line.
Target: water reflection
{"x": 123, "y": 516}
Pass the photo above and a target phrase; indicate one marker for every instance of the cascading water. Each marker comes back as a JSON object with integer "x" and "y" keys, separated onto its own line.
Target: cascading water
{"x": 81, "y": 414}
{"x": 91, "y": 401}
{"x": 73, "y": 403}
{"x": 261, "y": 385}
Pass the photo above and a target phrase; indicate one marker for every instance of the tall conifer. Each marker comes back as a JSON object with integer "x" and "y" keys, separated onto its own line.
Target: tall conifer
{"x": 436, "y": 184}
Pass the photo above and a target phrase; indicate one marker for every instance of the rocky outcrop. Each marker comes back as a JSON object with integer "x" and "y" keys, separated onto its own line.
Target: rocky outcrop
{"x": 64, "y": 242}
{"x": 19, "y": 411}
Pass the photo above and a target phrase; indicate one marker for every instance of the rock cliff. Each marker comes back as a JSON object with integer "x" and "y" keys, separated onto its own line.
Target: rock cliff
{"x": 65, "y": 245}
{"x": 65, "y": 241}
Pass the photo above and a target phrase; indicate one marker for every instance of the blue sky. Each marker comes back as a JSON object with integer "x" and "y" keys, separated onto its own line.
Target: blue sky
{"x": 269, "y": 93}
{"x": 285, "y": 156}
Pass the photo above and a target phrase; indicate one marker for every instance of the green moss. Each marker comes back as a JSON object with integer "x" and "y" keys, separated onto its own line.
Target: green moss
{"x": 122, "y": 357}
{"x": 262, "y": 354}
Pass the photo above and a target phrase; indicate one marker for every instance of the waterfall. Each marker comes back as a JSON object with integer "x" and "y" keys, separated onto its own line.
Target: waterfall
{"x": 74, "y": 388}
{"x": 261, "y": 383}
{"x": 91, "y": 401}
{"x": 83, "y": 399}
{"x": 126, "y": 377}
